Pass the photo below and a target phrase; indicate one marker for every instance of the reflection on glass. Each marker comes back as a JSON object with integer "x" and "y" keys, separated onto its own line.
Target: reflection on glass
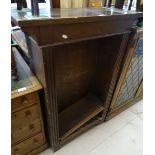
{"x": 23, "y": 79}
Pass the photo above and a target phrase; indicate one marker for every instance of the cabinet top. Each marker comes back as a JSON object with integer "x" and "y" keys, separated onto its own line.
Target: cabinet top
{"x": 64, "y": 16}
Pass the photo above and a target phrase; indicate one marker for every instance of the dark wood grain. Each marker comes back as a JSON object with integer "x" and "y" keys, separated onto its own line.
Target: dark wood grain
{"x": 119, "y": 4}
{"x": 64, "y": 16}
{"x": 76, "y": 77}
{"x": 75, "y": 52}
{"x": 55, "y": 3}
{"x": 115, "y": 72}
{"x": 78, "y": 114}
{"x": 51, "y": 97}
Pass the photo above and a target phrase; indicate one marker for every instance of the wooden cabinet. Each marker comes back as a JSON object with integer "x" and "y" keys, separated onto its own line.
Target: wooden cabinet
{"x": 30, "y": 145}
{"x": 77, "y": 55}
{"x": 24, "y": 101}
{"x": 27, "y": 130}
{"x": 129, "y": 88}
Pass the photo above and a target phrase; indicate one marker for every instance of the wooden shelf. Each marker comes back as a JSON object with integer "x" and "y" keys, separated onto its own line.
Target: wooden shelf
{"x": 78, "y": 114}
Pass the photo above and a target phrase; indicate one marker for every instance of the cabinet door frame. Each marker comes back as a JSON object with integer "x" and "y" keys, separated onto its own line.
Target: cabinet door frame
{"x": 138, "y": 34}
{"x": 140, "y": 89}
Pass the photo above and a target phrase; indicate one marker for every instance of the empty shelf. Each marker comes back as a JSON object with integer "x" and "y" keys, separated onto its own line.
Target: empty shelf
{"x": 78, "y": 114}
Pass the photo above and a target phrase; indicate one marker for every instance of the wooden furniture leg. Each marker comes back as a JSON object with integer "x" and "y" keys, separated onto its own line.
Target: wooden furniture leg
{"x": 19, "y": 4}
{"x": 119, "y": 4}
{"x": 35, "y": 7}
{"x": 109, "y": 3}
{"x": 24, "y": 3}
{"x": 130, "y": 4}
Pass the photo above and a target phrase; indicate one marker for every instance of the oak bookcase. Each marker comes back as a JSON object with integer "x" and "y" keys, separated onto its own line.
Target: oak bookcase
{"x": 77, "y": 56}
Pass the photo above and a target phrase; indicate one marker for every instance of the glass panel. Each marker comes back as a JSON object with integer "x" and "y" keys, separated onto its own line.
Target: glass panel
{"x": 23, "y": 79}
{"x": 133, "y": 77}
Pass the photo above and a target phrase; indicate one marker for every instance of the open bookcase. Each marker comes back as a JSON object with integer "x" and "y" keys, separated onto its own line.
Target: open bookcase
{"x": 82, "y": 74}
{"x": 77, "y": 56}
{"x": 80, "y": 79}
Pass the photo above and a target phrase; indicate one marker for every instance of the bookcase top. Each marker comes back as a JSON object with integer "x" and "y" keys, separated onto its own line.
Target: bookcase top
{"x": 24, "y": 18}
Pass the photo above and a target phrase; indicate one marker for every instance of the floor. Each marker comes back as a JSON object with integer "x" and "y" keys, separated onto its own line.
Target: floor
{"x": 122, "y": 135}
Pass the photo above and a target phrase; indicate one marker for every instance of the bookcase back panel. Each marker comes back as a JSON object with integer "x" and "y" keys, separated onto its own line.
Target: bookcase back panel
{"x": 84, "y": 67}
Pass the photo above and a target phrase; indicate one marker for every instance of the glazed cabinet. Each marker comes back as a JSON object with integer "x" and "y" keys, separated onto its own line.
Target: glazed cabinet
{"x": 129, "y": 88}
